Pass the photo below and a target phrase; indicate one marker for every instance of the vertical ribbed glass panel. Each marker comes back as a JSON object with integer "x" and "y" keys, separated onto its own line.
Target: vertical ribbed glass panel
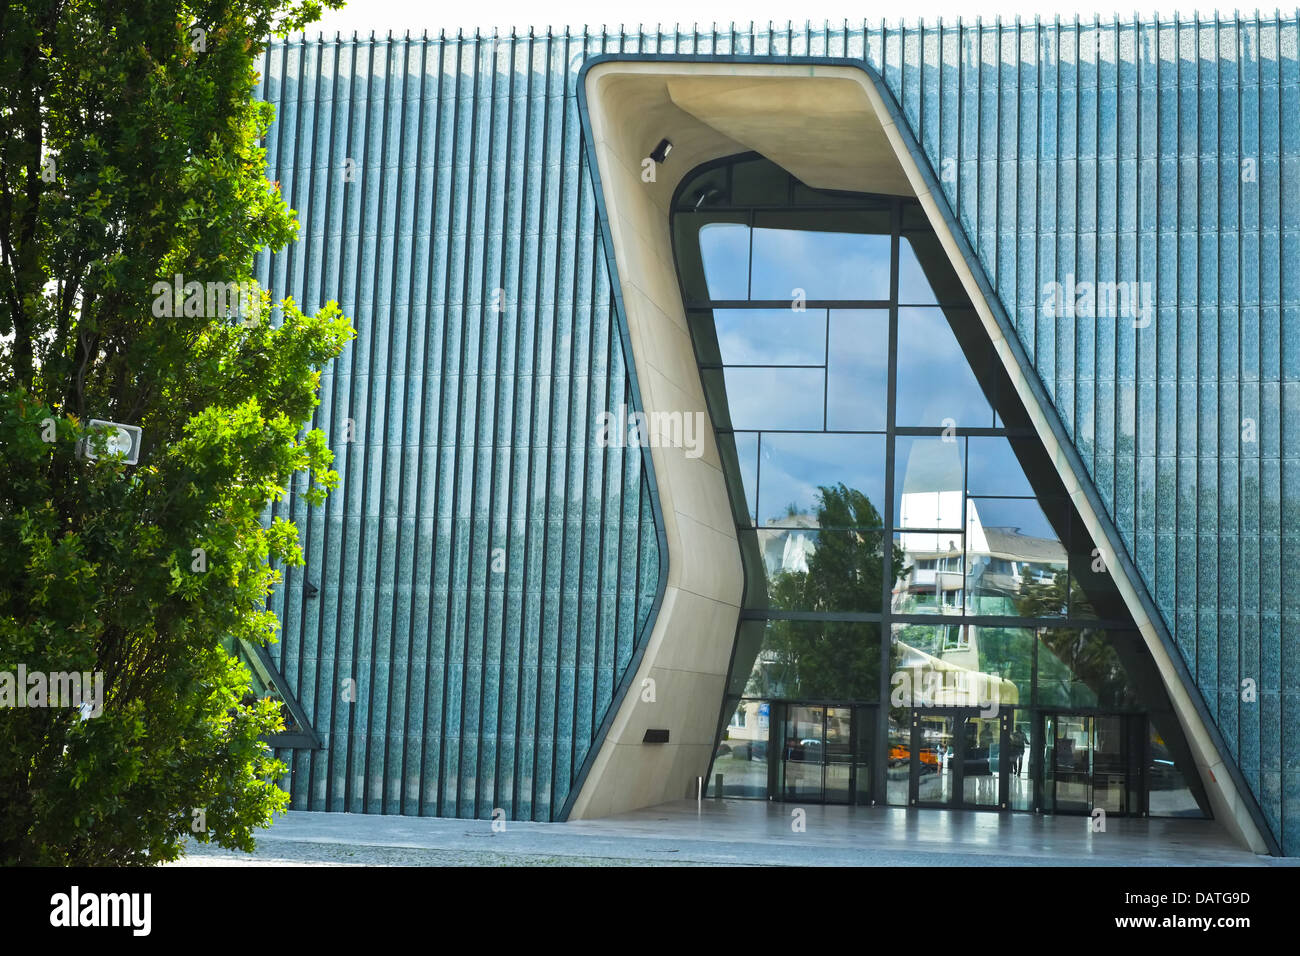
{"x": 484, "y": 571}
{"x": 1151, "y": 169}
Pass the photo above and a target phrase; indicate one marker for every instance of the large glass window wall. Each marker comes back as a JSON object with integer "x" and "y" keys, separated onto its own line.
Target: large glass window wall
{"x": 910, "y": 553}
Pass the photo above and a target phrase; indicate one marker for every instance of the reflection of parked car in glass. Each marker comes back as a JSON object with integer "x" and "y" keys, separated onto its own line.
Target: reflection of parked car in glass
{"x": 832, "y": 750}
{"x": 746, "y": 750}
{"x": 900, "y": 755}
{"x": 812, "y": 747}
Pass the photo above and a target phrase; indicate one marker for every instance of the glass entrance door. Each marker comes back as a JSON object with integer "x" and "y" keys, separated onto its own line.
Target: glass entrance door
{"x": 837, "y": 755}
{"x": 933, "y": 767}
{"x": 864, "y": 732}
{"x": 801, "y": 756}
{"x": 822, "y": 757}
{"x": 1086, "y": 763}
{"x": 980, "y": 758}
{"x": 957, "y": 758}
{"x": 1109, "y": 765}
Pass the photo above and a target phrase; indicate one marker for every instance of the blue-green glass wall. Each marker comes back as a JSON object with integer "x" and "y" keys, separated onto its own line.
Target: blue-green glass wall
{"x": 1152, "y": 152}
{"x": 1166, "y": 154}
{"x": 484, "y": 570}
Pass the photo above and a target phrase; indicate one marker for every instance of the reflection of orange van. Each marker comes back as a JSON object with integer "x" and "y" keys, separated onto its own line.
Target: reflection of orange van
{"x": 900, "y": 754}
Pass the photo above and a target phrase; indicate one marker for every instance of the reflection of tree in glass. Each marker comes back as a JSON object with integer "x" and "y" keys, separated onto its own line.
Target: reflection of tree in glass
{"x": 1039, "y": 598}
{"x": 832, "y": 659}
{"x": 1078, "y": 667}
{"x": 926, "y": 638}
{"x": 1007, "y": 652}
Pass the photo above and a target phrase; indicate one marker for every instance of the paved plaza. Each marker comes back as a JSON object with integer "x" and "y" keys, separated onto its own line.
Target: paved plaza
{"x": 744, "y": 833}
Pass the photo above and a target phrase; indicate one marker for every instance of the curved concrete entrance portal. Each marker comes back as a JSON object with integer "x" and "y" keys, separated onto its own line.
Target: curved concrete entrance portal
{"x": 831, "y": 127}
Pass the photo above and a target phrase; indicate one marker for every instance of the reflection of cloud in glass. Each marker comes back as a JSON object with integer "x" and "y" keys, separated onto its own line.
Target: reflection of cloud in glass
{"x": 929, "y": 464}
{"x": 913, "y": 287}
{"x": 785, "y": 398}
{"x": 858, "y": 370}
{"x": 826, "y": 265}
{"x": 724, "y": 249}
{"x": 935, "y": 381}
{"x": 771, "y": 336}
{"x": 928, "y": 482}
{"x": 794, "y": 466}
{"x": 747, "y": 453}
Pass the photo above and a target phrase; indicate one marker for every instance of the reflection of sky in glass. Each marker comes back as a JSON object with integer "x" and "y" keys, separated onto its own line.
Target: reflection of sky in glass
{"x": 724, "y": 248}
{"x": 928, "y": 464}
{"x": 913, "y": 287}
{"x": 993, "y": 469}
{"x": 858, "y": 370}
{"x": 1011, "y": 513}
{"x": 929, "y": 470}
{"x": 793, "y": 466}
{"x": 826, "y": 265}
{"x": 747, "y": 452}
{"x": 771, "y": 336}
{"x": 783, "y": 398}
{"x": 935, "y": 382}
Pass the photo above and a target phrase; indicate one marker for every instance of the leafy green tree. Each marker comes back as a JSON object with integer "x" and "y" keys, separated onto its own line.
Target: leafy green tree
{"x": 131, "y": 155}
{"x": 830, "y": 659}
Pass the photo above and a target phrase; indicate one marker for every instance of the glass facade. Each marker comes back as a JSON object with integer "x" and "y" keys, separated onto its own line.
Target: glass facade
{"x": 478, "y": 586}
{"x": 925, "y": 621}
{"x": 431, "y": 172}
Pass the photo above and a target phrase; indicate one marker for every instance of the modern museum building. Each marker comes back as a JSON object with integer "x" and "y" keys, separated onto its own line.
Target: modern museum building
{"x": 895, "y": 416}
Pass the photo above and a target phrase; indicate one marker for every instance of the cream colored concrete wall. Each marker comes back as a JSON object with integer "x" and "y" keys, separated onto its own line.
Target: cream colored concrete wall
{"x": 633, "y": 105}
{"x": 689, "y": 647}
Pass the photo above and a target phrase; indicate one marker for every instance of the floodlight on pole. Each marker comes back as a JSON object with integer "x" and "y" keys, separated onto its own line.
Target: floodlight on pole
{"x": 123, "y": 440}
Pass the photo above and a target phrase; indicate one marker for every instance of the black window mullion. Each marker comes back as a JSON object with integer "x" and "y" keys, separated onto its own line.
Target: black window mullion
{"x": 826, "y": 370}
{"x": 880, "y": 780}
{"x": 749, "y": 275}
{"x": 965, "y": 522}
{"x": 748, "y": 304}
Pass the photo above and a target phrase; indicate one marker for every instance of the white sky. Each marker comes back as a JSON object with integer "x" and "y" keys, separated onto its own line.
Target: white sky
{"x": 433, "y": 15}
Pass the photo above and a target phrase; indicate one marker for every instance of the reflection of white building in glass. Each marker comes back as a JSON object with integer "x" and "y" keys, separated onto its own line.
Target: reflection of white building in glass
{"x": 951, "y": 678}
{"x": 946, "y": 573}
{"x": 788, "y": 548}
{"x": 985, "y": 573}
{"x": 1004, "y": 563}
{"x": 933, "y": 577}
{"x": 750, "y": 721}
